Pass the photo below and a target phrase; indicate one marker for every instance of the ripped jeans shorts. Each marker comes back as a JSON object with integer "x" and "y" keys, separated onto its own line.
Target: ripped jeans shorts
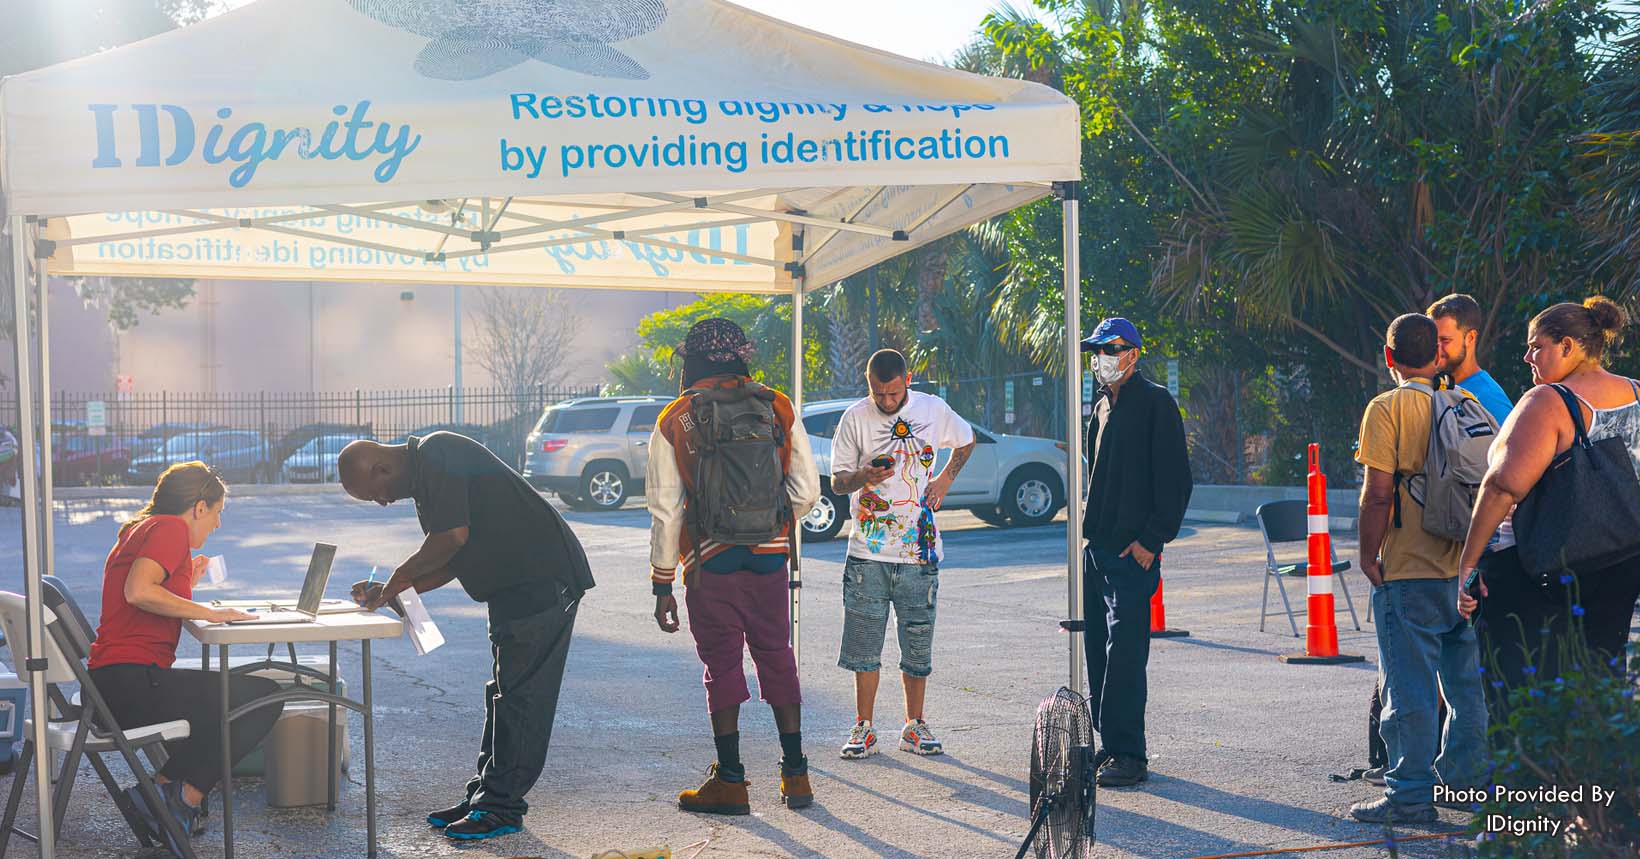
{"x": 869, "y": 589}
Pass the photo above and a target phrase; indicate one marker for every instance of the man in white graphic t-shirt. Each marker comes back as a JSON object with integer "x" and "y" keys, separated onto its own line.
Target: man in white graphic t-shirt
{"x": 883, "y": 456}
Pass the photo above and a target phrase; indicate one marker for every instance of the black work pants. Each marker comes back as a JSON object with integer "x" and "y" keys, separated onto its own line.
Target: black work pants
{"x": 1116, "y": 596}
{"x": 520, "y": 702}
{"x": 1521, "y": 622}
{"x": 140, "y": 695}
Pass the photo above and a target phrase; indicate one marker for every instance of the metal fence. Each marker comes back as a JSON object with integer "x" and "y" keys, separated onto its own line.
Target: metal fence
{"x": 107, "y": 439}
{"x": 1016, "y": 404}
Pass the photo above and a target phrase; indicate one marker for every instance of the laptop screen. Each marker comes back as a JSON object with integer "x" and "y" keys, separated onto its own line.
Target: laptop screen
{"x": 318, "y": 576}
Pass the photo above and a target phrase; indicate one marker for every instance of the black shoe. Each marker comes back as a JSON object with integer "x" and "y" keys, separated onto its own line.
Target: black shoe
{"x": 1123, "y": 771}
{"x": 480, "y": 824}
{"x": 441, "y": 819}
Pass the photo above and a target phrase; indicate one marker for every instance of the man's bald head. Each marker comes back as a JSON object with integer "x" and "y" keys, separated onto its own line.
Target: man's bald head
{"x": 371, "y": 471}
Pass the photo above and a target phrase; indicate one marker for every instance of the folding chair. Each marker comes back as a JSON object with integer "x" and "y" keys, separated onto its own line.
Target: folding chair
{"x": 82, "y": 726}
{"x": 1289, "y": 522}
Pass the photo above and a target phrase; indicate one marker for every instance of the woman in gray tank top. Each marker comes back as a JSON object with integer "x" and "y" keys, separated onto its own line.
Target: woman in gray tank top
{"x": 1565, "y": 345}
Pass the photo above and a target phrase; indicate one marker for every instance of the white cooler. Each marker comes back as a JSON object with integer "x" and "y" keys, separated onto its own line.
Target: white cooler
{"x": 295, "y": 753}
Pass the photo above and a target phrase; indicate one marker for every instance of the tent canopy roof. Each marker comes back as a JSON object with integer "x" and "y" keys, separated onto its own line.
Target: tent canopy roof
{"x": 667, "y": 144}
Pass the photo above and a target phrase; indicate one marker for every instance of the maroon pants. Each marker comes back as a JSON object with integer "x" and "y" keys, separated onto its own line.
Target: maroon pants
{"x": 731, "y": 611}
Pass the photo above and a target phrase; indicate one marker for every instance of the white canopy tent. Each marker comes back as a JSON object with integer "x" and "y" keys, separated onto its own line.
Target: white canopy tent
{"x": 686, "y": 145}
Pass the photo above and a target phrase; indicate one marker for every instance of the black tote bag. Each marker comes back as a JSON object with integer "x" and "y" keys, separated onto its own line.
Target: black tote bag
{"x": 1584, "y": 513}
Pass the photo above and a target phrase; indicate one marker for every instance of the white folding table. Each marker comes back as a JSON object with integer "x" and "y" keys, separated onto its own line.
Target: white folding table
{"x": 357, "y": 626}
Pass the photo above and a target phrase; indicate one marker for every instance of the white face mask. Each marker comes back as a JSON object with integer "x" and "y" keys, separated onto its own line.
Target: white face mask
{"x": 1108, "y": 369}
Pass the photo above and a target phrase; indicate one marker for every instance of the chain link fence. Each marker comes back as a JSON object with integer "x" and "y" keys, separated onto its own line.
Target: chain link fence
{"x": 103, "y": 439}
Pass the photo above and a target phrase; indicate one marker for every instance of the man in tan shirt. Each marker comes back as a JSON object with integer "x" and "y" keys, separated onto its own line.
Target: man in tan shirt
{"x": 1421, "y": 637}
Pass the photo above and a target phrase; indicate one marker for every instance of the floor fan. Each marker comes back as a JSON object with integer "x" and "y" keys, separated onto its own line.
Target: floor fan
{"x": 1063, "y": 790}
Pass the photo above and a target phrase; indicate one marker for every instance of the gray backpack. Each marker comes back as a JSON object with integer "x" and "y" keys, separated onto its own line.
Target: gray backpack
{"x": 739, "y": 493}
{"x": 1461, "y": 431}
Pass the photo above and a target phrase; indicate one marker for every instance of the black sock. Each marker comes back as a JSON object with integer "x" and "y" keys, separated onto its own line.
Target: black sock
{"x": 728, "y": 757}
{"x": 791, "y": 747}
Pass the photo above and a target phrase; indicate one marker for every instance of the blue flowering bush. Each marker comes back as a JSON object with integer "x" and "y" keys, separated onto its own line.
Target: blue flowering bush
{"x": 1574, "y": 729}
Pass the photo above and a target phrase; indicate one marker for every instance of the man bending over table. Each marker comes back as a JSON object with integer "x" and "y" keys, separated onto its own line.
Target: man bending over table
{"x": 511, "y": 550}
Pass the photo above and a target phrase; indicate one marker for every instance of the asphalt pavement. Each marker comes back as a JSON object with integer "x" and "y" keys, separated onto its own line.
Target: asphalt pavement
{"x": 1241, "y": 745}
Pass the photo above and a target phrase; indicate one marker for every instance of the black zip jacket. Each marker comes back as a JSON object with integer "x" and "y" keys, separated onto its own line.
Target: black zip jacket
{"x": 1141, "y": 468}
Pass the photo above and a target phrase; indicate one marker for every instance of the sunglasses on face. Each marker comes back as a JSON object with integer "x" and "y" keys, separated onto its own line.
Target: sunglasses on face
{"x": 1112, "y": 348}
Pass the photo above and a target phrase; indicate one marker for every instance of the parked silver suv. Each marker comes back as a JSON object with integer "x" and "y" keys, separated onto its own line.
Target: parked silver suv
{"x": 592, "y": 452}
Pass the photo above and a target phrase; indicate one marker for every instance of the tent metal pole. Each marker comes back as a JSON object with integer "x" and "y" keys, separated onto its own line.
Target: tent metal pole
{"x": 29, "y": 475}
{"x": 795, "y": 585}
{"x": 48, "y": 528}
{"x": 1073, "y": 427}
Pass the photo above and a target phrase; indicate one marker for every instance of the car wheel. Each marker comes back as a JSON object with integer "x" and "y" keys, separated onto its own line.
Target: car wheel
{"x": 604, "y": 487}
{"x": 991, "y": 515}
{"x": 826, "y": 518}
{"x": 1031, "y": 496}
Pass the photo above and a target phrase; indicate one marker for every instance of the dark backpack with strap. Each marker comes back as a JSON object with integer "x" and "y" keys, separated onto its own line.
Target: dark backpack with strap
{"x": 739, "y": 494}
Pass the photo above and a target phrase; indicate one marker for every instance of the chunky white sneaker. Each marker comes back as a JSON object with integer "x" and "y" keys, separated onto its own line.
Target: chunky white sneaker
{"x": 919, "y": 739}
{"x": 862, "y": 741}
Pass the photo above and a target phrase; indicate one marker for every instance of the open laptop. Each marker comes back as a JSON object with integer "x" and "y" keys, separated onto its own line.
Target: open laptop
{"x": 313, "y": 592}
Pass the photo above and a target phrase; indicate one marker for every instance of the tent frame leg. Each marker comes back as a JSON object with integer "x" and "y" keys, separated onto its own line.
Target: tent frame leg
{"x": 795, "y": 582}
{"x": 1073, "y": 424}
{"x": 29, "y": 474}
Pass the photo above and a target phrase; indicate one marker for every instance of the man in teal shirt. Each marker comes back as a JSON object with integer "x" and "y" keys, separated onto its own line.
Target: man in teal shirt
{"x": 1458, "y": 321}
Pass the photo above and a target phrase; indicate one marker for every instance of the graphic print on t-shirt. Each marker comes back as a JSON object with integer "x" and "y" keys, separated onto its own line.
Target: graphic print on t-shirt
{"x": 892, "y": 522}
{"x": 902, "y": 526}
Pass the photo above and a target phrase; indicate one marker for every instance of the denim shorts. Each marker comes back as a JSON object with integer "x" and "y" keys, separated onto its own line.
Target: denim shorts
{"x": 869, "y": 588}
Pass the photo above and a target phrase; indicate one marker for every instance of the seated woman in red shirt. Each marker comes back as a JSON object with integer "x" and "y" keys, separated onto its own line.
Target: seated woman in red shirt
{"x": 148, "y": 584}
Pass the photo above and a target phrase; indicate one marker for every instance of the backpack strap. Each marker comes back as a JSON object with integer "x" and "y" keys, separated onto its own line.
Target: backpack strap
{"x": 1395, "y": 491}
{"x": 1395, "y": 499}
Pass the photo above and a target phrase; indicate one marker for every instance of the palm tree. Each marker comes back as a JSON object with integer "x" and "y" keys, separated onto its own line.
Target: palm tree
{"x": 1610, "y": 175}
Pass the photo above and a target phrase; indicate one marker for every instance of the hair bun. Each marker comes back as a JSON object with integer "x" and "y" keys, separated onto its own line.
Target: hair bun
{"x": 1608, "y": 315}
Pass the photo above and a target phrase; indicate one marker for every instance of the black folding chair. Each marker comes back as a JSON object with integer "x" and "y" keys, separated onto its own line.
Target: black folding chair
{"x": 1289, "y": 522}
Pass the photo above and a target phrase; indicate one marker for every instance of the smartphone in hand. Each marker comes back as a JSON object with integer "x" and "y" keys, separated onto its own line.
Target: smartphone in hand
{"x": 882, "y": 460}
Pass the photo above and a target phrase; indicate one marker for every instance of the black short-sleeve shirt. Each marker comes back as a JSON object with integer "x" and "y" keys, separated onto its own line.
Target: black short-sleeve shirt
{"x": 521, "y": 556}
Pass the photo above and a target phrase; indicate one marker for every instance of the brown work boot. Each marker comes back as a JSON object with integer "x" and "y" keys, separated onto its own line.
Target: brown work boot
{"x": 795, "y": 791}
{"x": 716, "y": 796}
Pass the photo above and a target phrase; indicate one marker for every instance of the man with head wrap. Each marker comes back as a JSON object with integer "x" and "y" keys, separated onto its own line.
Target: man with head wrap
{"x": 737, "y": 595}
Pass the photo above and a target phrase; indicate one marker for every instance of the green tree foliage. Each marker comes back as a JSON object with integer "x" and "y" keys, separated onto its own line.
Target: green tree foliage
{"x": 1608, "y": 155}
{"x": 767, "y": 322}
{"x": 1269, "y": 183}
{"x": 637, "y": 373}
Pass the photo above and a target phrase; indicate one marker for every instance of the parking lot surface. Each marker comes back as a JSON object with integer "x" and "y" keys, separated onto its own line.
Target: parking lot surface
{"x": 1241, "y": 744}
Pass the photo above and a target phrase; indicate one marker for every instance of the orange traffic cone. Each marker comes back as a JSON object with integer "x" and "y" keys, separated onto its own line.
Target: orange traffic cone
{"x": 1321, "y": 633}
{"x": 1158, "y": 616}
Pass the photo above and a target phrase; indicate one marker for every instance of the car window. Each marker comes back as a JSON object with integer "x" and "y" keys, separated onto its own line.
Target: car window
{"x": 983, "y": 437}
{"x": 644, "y": 417}
{"x": 326, "y": 444}
{"x": 582, "y": 420}
{"x": 822, "y": 425}
{"x": 187, "y": 443}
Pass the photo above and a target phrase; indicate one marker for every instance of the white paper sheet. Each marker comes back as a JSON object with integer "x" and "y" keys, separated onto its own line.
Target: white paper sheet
{"x": 418, "y": 624}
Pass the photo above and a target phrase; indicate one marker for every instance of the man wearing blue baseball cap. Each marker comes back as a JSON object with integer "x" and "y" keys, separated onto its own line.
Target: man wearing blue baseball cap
{"x": 1137, "y": 494}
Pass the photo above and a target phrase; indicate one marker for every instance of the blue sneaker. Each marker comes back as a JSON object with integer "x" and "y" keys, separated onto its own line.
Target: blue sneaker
{"x": 479, "y": 825}
{"x": 186, "y": 816}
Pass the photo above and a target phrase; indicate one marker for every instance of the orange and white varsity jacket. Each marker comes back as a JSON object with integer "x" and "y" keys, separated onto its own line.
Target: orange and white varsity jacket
{"x": 672, "y": 458}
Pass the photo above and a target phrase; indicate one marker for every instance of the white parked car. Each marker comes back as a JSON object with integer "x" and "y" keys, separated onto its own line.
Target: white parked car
{"x": 315, "y": 462}
{"x": 1010, "y": 479}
